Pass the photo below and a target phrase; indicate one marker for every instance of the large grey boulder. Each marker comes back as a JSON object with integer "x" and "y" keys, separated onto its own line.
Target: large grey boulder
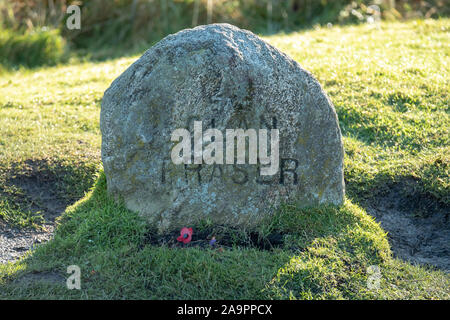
{"x": 227, "y": 78}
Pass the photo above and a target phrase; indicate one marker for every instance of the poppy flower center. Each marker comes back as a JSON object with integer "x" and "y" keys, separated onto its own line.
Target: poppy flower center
{"x": 185, "y": 236}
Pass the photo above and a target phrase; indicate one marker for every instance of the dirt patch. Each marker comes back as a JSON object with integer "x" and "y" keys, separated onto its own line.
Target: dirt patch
{"x": 15, "y": 242}
{"x": 225, "y": 237}
{"x": 418, "y": 224}
{"x": 41, "y": 188}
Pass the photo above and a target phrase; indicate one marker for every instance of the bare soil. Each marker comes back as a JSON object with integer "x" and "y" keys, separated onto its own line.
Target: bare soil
{"x": 34, "y": 186}
{"x": 418, "y": 224}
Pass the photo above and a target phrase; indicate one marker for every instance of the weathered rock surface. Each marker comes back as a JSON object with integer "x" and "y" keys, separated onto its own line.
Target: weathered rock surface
{"x": 228, "y": 78}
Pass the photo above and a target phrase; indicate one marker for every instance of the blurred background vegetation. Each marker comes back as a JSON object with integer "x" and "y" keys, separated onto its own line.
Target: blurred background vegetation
{"x": 34, "y": 32}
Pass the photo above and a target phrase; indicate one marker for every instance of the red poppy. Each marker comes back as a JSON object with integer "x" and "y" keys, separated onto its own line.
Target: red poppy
{"x": 185, "y": 235}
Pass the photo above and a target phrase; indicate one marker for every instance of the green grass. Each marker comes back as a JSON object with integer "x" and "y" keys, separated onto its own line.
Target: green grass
{"x": 390, "y": 87}
{"x": 31, "y": 49}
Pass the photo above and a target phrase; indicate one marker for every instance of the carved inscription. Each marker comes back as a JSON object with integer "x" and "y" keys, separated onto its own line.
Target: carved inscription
{"x": 237, "y": 174}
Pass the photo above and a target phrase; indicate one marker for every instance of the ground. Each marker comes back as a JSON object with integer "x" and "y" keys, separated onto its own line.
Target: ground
{"x": 389, "y": 83}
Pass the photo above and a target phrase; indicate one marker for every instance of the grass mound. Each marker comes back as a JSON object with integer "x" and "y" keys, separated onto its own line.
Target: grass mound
{"x": 326, "y": 253}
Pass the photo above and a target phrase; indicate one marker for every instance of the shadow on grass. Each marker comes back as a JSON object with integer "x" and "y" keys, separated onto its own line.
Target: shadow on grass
{"x": 325, "y": 253}
{"x": 417, "y": 222}
{"x": 43, "y": 187}
{"x": 110, "y": 244}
